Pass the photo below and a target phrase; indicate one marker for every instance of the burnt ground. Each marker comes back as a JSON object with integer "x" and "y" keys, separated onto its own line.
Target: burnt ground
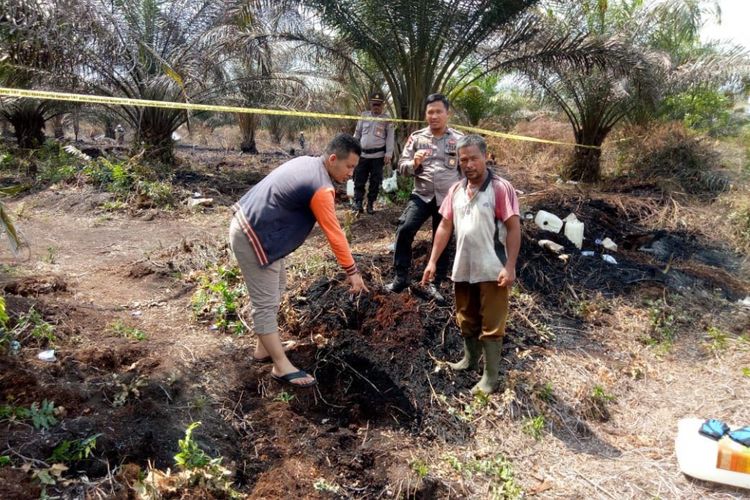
{"x": 591, "y": 355}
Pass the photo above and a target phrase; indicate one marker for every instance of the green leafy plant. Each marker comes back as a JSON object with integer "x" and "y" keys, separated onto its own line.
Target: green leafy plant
{"x": 191, "y": 456}
{"x": 284, "y": 397}
{"x": 70, "y": 451}
{"x": 746, "y": 372}
{"x": 123, "y": 330}
{"x": 43, "y": 416}
{"x": 534, "y": 427}
{"x": 662, "y": 331}
{"x": 719, "y": 339}
{"x": 420, "y": 467}
{"x": 218, "y": 298}
{"x": 4, "y": 460}
{"x": 323, "y": 486}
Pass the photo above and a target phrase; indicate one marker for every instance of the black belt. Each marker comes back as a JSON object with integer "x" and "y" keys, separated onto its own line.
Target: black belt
{"x": 373, "y": 150}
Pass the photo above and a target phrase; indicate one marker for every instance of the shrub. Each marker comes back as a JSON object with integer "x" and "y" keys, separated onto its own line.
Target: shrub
{"x": 671, "y": 154}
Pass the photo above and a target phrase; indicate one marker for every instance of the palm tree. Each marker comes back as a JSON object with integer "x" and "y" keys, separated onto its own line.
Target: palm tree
{"x": 33, "y": 54}
{"x": 426, "y": 46}
{"x": 151, "y": 49}
{"x": 662, "y": 46}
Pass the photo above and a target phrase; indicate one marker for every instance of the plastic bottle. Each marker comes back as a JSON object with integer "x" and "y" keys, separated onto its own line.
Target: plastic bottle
{"x": 548, "y": 221}
{"x": 350, "y": 188}
{"x": 697, "y": 456}
{"x": 574, "y": 232}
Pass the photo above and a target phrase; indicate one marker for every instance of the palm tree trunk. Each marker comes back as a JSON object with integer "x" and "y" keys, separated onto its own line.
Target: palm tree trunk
{"x": 58, "y": 128}
{"x": 585, "y": 165}
{"x": 248, "y": 125}
{"x": 28, "y": 126}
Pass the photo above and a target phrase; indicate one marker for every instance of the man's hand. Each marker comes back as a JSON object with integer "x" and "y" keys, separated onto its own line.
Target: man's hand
{"x": 506, "y": 277}
{"x": 419, "y": 157}
{"x": 429, "y": 273}
{"x": 387, "y": 159}
{"x": 357, "y": 284}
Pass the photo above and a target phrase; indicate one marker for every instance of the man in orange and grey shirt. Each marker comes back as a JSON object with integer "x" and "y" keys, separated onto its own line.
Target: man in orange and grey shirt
{"x": 271, "y": 221}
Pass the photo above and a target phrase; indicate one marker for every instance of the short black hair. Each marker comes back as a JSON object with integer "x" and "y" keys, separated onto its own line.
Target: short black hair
{"x": 435, "y": 98}
{"x": 342, "y": 145}
{"x": 472, "y": 140}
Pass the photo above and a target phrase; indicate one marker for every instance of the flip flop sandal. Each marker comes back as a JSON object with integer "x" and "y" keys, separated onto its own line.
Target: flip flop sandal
{"x": 287, "y": 379}
{"x": 264, "y": 360}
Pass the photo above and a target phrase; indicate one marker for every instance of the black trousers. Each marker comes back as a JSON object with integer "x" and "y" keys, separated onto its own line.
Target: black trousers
{"x": 415, "y": 214}
{"x": 372, "y": 169}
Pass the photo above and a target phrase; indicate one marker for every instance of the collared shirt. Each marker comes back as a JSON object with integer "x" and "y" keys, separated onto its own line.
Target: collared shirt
{"x": 437, "y": 172}
{"x": 375, "y": 135}
{"x": 478, "y": 217}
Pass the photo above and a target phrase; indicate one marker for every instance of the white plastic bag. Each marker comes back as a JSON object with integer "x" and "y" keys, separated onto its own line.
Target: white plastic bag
{"x": 390, "y": 184}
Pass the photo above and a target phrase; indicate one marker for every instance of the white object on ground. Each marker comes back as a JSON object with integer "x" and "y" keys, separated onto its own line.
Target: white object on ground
{"x": 574, "y": 232}
{"x": 48, "y": 356}
{"x": 350, "y": 188}
{"x": 548, "y": 221}
{"x": 745, "y": 302}
{"x": 697, "y": 456}
{"x": 588, "y": 253}
{"x": 392, "y": 247}
{"x": 551, "y": 246}
{"x": 609, "y": 259}
{"x": 571, "y": 216}
{"x": 609, "y": 245}
{"x": 200, "y": 202}
{"x": 390, "y": 184}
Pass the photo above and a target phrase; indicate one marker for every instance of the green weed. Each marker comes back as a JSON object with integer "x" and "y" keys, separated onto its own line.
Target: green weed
{"x": 218, "y": 299}
{"x": 746, "y": 372}
{"x": 323, "y": 486}
{"x": 662, "y": 330}
{"x": 420, "y": 467}
{"x": 547, "y": 392}
{"x": 534, "y": 427}
{"x": 284, "y": 397}
{"x": 4, "y": 460}
{"x": 719, "y": 339}
{"x": 31, "y": 325}
{"x": 76, "y": 450}
{"x": 123, "y": 330}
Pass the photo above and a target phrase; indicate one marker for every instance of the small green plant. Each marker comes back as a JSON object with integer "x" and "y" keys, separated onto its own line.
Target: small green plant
{"x": 4, "y": 460}
{"x": 123, "y": 330}
{"x": 114, "y": 206}
{"x": 31, "y": 324}
{"x": 74, "y": 451}
{"x": 323, "y": 486}
{"x": 599, "y": 394}
{"x": 218, "y": 298}
{"x": 719, "y": 339}
{"x": 454, "y": 462}
{"x": 50, "y": 257}
{"x": 191, "y": 456}
{"x": 126, "y": 390}
{"x": 746, "y": 372}
{"x": 43, "y": 416}
{"x": 420, "y": 467}
{"x": 547, "y": 392}
{"x": 198, "y": 468}
{"x": 534, "y": 427}
{"x": 662, "y": 331}
{"x": 284, "y": 397}
{"x": 500, "y": 472}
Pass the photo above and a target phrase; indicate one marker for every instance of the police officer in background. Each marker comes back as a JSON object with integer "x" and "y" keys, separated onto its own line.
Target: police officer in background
{"x": 376, "y": 138}
{"x": 430, "y": 156}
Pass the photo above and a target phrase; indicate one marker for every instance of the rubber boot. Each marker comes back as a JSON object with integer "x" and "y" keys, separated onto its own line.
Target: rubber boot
{"x": 358, "y": 206}
{"x": 488, "y": 383}
{"x": 470, "y": 360}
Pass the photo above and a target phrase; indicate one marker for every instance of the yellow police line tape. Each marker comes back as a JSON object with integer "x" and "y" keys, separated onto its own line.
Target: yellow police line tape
{"x": 187, "y": 106}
